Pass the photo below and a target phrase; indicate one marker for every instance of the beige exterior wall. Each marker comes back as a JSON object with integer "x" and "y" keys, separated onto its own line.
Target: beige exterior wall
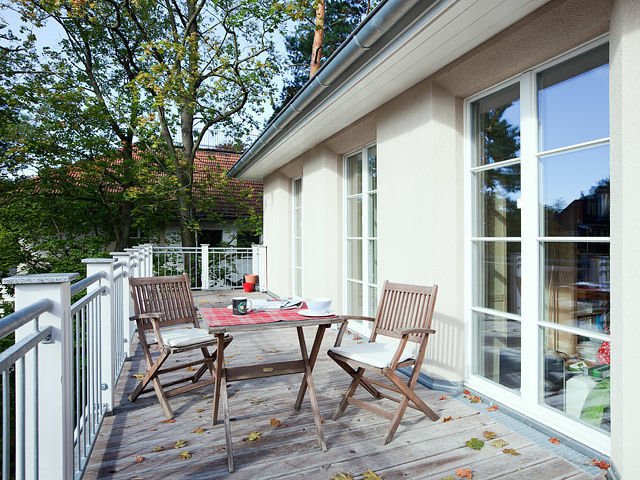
{"x": 625, "y": 231}
{"x": 421, "y": 198}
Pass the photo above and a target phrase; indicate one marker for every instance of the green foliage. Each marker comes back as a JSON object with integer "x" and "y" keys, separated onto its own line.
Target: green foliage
{"x": 341, "y": 18}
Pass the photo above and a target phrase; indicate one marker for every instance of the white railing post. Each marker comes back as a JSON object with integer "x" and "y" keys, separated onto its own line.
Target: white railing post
{"x": 126, "y": 306}
{"x": 134, "y": 262}
{"x": 107, "y": 333}
{"x": 54, "y": 415}
{"x": 259, "y": 264}
{"x": 150, "y": 263}
{"x": 204, "y": 271}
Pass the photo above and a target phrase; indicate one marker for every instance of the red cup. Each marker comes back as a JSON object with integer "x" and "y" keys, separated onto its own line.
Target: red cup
{"x": 248, "y": 287}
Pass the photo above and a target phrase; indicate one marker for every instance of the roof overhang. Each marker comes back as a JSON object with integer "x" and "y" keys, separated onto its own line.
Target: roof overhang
{"x": 400, "y": 44}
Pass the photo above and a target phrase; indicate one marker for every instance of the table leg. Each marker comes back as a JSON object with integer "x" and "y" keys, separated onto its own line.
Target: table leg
{"x": 312, "y": 391}
{"x": 219, "y": 370}
{"x": 315, "y": 349}
{"x": 227, "y": 425}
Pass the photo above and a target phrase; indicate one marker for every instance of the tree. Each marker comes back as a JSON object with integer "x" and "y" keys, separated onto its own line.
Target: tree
{"x": 318, "y": 35}
{"x": 340, "y": 18}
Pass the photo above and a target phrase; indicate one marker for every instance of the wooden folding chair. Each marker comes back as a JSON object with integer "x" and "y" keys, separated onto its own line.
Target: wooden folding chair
{"x": 404, "y": 313}
{"x": 167, "y": 320}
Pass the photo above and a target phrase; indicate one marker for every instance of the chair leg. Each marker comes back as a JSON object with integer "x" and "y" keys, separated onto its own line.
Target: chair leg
{"x": 408, "y": 392}
{"x": 207, "y": 365}
{"x": 350, "y": 391}
{"x": 367, "y": 386}
{"x": 148, "y": 377}
{"x": 396, "y": 420}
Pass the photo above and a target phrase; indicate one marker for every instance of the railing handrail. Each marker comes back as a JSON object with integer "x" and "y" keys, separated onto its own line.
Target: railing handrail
{"x": 15, "y": 320}
{"x": 83, "y": 284}
{"x": 118, "y": 265}
{"x": 86, "y": 299}
{"x": 18, "y": 349}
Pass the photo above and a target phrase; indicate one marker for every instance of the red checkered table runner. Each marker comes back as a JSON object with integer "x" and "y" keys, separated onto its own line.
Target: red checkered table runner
{"x": 224, "y": 317}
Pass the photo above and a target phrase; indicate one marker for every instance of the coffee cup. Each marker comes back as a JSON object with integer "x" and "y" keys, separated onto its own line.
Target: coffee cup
{"x": 241, "y": 305}
{"x": 318, "y": 305}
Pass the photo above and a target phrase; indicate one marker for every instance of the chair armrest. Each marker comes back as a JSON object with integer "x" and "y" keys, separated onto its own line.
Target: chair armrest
{"x": 416, "y": 331}
{"x": 343, "y": 327}
{"x": 145, "y": 316}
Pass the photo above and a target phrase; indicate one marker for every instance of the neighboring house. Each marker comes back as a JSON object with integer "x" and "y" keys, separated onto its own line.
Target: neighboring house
{"x": 451, "y": 142}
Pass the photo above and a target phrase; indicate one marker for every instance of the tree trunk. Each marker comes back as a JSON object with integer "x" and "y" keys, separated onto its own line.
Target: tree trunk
{"x": 316, "y": 49}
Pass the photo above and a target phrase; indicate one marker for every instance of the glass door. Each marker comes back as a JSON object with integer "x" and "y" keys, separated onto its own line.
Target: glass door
{"x": 361, "y": 240}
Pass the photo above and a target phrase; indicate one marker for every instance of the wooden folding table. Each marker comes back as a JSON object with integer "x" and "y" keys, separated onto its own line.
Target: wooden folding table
{"x": 221, "y": 322}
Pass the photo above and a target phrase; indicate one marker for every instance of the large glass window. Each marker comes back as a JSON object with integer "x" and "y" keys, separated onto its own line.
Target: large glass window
{"x": 554, "y": 149}
{"x": 361, "y": 231}
{"x": 297, "y": 237}
{"x": 496, "y": 235}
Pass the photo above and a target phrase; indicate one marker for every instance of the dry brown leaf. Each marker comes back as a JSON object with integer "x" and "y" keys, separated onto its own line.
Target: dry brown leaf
{"x": 170, "y": 420}
{"x": 475, "y": 399}
{"x": 499, "y": 443}
{"x": 443, "y": 398}
{"x": 464, "y": 472}
{"x": 511, "y": 451}
{"x": 601, "y": 464}
{"x": 259, "y": 358}
{"x": 139, "y": 376}
{"x": 199, "y": 431}
{"x": 191, "y": 369}
{"x": 446, "y": 419}
{"x": 159, "y": 448}
{"x": 185, "y": 455}
{"x": 139, "y": 459}
{"x": 275, "y": 422}
{"x": 492, "y": 408}
{"x": 489, "y": 435}
{"x": 153, "y": 429}
{"x": 554, "y": 440}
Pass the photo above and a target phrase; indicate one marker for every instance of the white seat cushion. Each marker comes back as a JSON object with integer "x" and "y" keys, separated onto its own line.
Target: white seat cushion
{"x": 182, "y": 336}
{"x": 375, "y": 354}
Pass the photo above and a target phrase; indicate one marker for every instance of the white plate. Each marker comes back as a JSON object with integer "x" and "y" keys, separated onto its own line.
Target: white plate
{"x": 308, "y": 313}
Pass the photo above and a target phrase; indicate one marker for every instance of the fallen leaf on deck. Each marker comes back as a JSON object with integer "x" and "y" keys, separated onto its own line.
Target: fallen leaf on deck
{"x": 159, "y": 448}
{"x": 511, "y": 451}
{"x": 170, "y": 420}
{"x": 180, "y": 444}
{"x": 348, "y": 332}
{"x": 275, "y": 422}
{"x": 554, "y": 440}
{"x": 191, "y": 369}
{"x": 371, "y": 475}
{"x": 464, "y": 472}
{"x": 475, "y": 399}
{"x": 139, "y": 376}
{"x": 492, "y": 408}
{"x": 448, "y": 477}
{"x": 499, "y": 443}
{"x": 466, "y": 392}
{"x": 474, "y": 443}
{"x": 185, "y": 456}
{"x": 259, "y": 358}
{"x": 446, "y": 419}
{"x": 361, "y": 341}
{"x": 153, "y": 429}
{"x": 342, "y": 476}
{"x": 254, "y": 436}
{"x": 489, "y": 435}
{"x": 139, "y": 459}
{"x": 199, "y": 431}
{"x": 600, "y": 464}
{"x": 199, "y": 410}
{"x": 443, "y": 398}
{"x": 357, "y": 337}
{"x": 256, "y": 401}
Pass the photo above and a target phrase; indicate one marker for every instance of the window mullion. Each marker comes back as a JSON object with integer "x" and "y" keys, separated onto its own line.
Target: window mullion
{"x": 365, "y": 231}
{"x": 530, "y": 363}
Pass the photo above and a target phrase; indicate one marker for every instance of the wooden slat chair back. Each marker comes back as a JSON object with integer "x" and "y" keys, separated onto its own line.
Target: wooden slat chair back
{"x": 166, "y": 318}
{"x": 405, "y": 313}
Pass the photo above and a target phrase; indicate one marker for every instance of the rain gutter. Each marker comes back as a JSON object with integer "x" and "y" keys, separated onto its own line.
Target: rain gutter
{"x": 387, "y": 21}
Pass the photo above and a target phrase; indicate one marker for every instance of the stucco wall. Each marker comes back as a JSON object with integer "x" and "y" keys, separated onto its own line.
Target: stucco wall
{"x": 625, "y": 231}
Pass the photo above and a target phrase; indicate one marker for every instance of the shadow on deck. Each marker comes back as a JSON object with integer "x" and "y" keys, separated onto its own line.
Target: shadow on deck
{"x": 421, "y": 449}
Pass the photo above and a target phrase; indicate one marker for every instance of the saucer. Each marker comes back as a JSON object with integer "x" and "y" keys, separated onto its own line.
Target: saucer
{"x": 230, "y": 307}
{"x": 308, "y": 313}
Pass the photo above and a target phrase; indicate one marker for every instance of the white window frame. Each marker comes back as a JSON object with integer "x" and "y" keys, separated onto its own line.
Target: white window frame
{"x": 526, "y": 401}
{"x": 365, "y": 327}
{"x": 295, "y": 267}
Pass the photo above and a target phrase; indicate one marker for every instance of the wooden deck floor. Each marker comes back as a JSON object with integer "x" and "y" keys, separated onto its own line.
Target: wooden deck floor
{"x": 421, "y": 449}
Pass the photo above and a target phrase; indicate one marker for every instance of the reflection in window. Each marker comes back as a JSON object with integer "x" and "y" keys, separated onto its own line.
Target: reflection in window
{"x": 576, "y": 285}
{"x": 575, "y": 193}
{"x": 576, "y": 376}
{"x": 498, "y": 354}
{"x": 497, "y": 282}
{"x": 498, "y": 190}
{"x": 496, "y": 126}
{"x": 573, "y": 100}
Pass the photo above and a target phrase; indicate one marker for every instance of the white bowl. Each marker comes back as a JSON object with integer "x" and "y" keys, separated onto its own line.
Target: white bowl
{"x": 318, "y": 305}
